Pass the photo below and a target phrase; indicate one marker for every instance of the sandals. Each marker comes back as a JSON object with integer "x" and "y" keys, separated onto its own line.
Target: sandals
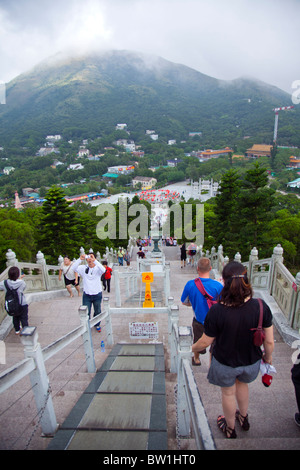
{"x": 243, "y": 420}
{"x": 196, "y": 363}
{"x": 229, "y": 432}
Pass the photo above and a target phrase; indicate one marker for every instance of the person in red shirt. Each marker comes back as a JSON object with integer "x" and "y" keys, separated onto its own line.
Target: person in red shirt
{"x": 106, "y": 277}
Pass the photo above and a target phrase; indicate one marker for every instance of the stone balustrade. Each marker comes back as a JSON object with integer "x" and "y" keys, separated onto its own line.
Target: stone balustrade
{"x": 269, "y": 274}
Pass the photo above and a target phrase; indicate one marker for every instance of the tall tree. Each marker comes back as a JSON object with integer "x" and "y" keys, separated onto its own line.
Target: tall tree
{"x": 273, "y": 155}
{"x": 226, "y": 223}
{"x": 58, "y": 235}
{"x": 256, "y": 202}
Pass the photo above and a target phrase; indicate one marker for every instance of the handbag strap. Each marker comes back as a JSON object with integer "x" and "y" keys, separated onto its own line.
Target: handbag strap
{"x": 68, "y": 268}
{"x": 260, "y": 314}
{"x": 201, "y": 289}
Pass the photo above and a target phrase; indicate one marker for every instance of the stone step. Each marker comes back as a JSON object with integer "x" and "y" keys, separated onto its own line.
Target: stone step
{"x": 271, "y": 409}
{"x": 258, "y": 443}
{"x": 124, "y": 406}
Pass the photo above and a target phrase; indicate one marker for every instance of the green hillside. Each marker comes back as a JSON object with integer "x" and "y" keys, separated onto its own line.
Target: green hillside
{"x": 85, "y": 97}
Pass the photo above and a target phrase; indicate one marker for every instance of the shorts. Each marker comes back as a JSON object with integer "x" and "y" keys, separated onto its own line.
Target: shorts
{"x": 198, "y": 330}
{"x": 225, "y": 376}
{"x": 70, "y": 282}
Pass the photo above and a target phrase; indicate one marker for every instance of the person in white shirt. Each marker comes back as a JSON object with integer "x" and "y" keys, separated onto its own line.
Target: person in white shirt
{"x": 92, "y": 285}
{"x": 71, "y": 278}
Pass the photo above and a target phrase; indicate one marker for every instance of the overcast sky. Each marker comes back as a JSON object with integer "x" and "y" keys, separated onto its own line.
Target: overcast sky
{"x": 225, "y": 39}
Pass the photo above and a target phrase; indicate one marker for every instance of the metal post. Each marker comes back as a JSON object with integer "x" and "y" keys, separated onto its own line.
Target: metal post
{"x": 185, "y": 352}
{"x": 39, "y": 381}
{"x": 87, "y": 339}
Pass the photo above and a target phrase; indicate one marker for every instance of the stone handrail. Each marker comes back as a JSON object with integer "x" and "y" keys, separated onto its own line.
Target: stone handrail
{"x": 285, "y": 290}
{"x": 190, "y": 412}
{"x": 35, "y": 358}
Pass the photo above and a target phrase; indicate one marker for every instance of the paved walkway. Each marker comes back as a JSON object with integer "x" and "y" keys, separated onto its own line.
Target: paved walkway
{"x": 271, "y": 409}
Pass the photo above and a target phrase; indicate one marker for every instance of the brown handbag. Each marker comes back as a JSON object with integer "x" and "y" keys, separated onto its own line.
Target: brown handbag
{"x": 259, "y": 334}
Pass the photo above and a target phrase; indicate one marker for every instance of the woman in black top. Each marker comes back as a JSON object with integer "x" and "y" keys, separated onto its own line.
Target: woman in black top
{"x": 235, "y": 359}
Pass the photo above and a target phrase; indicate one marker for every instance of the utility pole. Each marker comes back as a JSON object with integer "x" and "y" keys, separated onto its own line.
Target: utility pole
{"x": 276, "y": 110}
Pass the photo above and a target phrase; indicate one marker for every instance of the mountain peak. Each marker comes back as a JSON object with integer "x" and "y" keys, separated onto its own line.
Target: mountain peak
{"x": 92, "y": 92}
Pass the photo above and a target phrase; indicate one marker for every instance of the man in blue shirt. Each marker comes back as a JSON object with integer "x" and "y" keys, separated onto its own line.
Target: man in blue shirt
{"x": 191, "y": 296}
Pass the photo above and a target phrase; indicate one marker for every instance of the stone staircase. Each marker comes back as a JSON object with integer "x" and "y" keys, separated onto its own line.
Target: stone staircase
{"x": 271, "y": 410}
{"x": 124, "y": 406}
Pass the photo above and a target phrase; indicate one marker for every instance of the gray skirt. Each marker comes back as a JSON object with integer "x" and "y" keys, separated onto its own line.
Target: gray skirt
{"x": 225, "y": 376}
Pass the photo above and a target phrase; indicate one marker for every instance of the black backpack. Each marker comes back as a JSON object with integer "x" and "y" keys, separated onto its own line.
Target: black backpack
{"x": 12, "y": 302}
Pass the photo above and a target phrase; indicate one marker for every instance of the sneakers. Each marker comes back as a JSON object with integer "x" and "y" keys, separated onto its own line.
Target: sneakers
{"x": 98, "y": 328}
{"x": 297, "y": 419}
{"x": 18, "y": 332}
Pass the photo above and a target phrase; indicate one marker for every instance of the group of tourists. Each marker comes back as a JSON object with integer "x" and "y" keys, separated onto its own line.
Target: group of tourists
{"x": 187, "y": 254}
{"x": 169, "y": 241}
{"x": 123, "y": 255}
{"x": 95, "y": 277}
{"x": 143, "y": 242}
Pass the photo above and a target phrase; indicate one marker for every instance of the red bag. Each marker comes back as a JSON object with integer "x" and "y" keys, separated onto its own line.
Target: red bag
{"x": 209, "y": 298}
{"x": 108, "y": 272}
{"x": 259, "y": 334}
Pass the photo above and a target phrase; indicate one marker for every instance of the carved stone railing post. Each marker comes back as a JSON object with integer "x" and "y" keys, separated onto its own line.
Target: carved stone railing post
{"x": 173, "y": 319}
{"x": 87, "y": 339}
{"x": 167, "y": 281}
{"x": 252, "y": 258}
{"x": 276, "y": 257}
{"x": 40, "y": 259}
{"x": 39, "y": 381}
{"x": 185, "y": 341}
{"x": 108, "y": 322}
{"x": 11, "y": 258}
{"x": 117, "y": 288}
{"x": 296, "y": 303}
